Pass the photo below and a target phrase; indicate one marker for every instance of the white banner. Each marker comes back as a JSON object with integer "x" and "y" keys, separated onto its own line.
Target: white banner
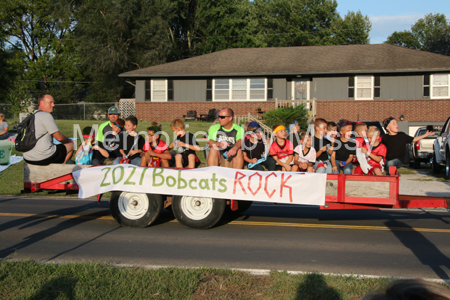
{"x": 214, "y": 182}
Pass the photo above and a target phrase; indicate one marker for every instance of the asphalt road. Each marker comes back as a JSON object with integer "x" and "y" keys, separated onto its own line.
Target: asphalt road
{"x": 280, "y": 237}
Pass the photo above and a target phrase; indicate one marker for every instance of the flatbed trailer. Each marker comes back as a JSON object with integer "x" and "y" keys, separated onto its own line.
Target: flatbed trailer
{"x": 131, "y": 209}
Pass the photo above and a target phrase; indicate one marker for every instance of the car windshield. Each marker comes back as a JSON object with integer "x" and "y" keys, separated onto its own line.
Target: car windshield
{"x": 436, "y": 133}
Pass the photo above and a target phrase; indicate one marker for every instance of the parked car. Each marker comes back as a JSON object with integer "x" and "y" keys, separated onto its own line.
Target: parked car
{"x": 422, "y": 151}
{"x": 441, "y": 151}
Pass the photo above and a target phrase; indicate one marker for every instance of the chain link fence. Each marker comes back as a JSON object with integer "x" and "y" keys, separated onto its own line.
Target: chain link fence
{"x": 82, "y": 111}
{"x": 79, "y": 111}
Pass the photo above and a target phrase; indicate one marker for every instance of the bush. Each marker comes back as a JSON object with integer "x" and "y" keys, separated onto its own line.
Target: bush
{"x": 287, "y": 115}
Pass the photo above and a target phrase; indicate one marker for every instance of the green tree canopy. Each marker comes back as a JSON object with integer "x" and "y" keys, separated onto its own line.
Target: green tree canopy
{"x": 309, "y": 23}
{"x": 431, "y": 33}
{"x": 117, "y": 36}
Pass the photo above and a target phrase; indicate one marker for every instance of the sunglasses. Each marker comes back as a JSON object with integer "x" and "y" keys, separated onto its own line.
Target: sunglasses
{"x": 223, "y": 117}
{"x": 118, "y": 125}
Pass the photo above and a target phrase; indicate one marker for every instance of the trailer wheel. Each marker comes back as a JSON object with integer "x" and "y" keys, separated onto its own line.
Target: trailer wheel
{"x": 198, "y": 212}
{"x": 447, "y": 166}
{"x": 434, "y": 165}
{"x": 135, "y": 209}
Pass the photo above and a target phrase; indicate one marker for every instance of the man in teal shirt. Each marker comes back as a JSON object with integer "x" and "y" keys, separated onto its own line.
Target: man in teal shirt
{"x": 113, "y": 116}
{"x": 225, "y": 140}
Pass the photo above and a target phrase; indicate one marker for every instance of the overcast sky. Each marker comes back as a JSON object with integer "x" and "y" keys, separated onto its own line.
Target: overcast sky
{"x": 394, "y": 15}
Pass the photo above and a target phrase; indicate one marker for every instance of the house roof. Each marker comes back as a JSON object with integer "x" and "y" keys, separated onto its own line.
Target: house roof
{"x": 306, "y": 60}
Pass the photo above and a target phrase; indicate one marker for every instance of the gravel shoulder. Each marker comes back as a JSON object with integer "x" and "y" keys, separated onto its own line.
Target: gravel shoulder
{"x": 423, "y": 182}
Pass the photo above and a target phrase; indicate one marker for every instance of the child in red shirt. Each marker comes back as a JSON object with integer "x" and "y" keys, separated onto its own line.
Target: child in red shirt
{"x": 376, "y": 155}
{"x": 156, "y": 153}
{"x": 282, "y": 149}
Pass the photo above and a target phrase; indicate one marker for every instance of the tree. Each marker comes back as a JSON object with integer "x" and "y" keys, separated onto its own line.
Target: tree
{"x": 353, "y": 29}
{"x": 431, "y": 33}
{"x": 286, "y": 116}
{"x": 205, "y": 26}
{"x": 309, "y": 23}
{"x": 404, "y": 39}
{"x": 39, "y": 33}
{"x": 118, "y": 36}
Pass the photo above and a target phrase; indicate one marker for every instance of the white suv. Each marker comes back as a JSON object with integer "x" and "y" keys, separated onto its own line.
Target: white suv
{"x": 441, "y": 150}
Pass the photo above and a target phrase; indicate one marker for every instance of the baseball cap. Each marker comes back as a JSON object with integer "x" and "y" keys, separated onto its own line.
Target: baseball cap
{"x": 113, "y": 111}
{"x": 254, "y": 124}
{"x": 343, "y": 122}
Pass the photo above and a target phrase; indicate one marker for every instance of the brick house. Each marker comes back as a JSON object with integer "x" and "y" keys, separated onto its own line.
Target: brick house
{"x": 357, "y": 82}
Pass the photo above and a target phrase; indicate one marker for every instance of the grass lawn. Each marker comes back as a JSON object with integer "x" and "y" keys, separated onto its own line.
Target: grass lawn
{"x": 30, "y": 280}
{"x": 11, "y": 180}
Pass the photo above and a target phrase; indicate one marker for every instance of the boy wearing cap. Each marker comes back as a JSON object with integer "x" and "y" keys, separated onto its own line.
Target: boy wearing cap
{"x": 343, "y": 149}
{"x": 255, "y": 149}
{"x": 395, "y": 142}
{"x": 281, "y": 149}
{"x": 113, "y": 116}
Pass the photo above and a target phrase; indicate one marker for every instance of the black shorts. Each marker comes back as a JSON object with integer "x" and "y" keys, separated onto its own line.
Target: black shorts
{"x": 57, "y": 158}
{"x": 185, "y": 159}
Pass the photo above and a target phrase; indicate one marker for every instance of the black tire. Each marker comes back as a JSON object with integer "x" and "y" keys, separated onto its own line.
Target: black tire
{"x": 416, "y": 164}
{"x": 148, "y": 207}
{"x": 198, "y": 212}
{"x": 411, "y": 164}
{"x": 447, "y": 166}
{"x": 434, "y": 165}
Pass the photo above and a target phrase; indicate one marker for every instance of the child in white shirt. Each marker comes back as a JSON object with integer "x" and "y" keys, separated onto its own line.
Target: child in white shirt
{"x": 304, "y": 155}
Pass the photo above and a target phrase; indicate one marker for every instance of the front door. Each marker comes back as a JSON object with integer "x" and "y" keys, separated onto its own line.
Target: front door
{"x": 300, "y": 89}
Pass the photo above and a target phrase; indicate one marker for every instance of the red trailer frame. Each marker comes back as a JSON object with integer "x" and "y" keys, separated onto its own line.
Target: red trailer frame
{"x": 340, "y": 201}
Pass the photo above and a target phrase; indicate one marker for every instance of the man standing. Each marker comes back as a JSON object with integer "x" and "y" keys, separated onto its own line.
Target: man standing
{"x": 113, "y": 116}
{"x": 45, "y": 152}
{"x": 225, "y": 140}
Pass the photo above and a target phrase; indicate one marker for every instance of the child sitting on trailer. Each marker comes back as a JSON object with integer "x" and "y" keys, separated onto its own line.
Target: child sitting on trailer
{"x": 83, "y": 156}
{"x": 185, "y": 145}
{"x": 321, "y": 145}
{"x": 304, "y": 155}
{"x": 395, "y": 142}
{"x": 281, "y": 149}
{"x": 255, "y": 150}
{"x": 343, "y": 149}
{"x": 107, "y": 151}
{"x": 157, "y": 153}
{"x": 375, "y": 151}
{"x": 132, "y": 144}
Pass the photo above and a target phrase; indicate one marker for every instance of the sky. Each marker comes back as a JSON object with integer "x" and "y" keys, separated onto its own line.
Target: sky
{"x": 394, "y": 15}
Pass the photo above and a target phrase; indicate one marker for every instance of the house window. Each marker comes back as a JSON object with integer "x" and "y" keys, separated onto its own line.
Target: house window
{"x": 440, "y": 86}
{"x": 364, "y": 87}
{"x": 159, "y": 90}
{"x": 239, "y": 89}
